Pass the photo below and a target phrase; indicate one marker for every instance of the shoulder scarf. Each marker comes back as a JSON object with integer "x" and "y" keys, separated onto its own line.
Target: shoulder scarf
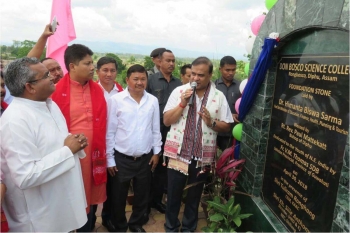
{"x": 192, "y": 141}
{"x": 99, "y": 110}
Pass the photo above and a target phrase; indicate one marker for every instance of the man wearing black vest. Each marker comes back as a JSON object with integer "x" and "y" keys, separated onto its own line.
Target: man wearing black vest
{"x": 161, "y": 85}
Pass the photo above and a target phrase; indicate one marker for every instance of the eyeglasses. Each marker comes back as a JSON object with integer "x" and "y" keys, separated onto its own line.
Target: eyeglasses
{"x": 46, "y": 75}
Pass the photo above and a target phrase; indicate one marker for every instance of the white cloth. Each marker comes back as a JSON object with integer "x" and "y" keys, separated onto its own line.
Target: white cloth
{"x": 109, "y": 94}
{"x": 132, "y": 128}
{"x": 45, "y": 190}
{"x": 8, "y": 97}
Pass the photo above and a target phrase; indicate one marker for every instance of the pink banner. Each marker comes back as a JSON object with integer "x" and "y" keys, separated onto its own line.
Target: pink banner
{"x": 57, "y": 43}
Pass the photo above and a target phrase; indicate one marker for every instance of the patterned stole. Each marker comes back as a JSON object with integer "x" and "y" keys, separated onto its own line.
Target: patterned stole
{"x": 192, "y": 140}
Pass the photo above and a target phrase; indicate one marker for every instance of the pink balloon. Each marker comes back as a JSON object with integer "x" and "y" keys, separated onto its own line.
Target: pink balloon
{"x": 256, "y": 24}
{"x": 238, "y": 102}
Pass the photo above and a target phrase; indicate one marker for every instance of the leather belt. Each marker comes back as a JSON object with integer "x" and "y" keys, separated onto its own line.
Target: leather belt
{"x": 134, "y": 158}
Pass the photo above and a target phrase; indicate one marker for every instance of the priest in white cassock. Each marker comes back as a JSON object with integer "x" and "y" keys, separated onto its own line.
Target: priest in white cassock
{"x": 39, "y": 158}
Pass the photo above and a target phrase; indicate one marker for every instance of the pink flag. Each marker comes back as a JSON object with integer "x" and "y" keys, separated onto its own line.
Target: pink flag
{"x": 57, "y": 43}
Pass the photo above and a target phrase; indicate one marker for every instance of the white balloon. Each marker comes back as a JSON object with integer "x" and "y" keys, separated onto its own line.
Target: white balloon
{"x": 249, "y": 44}
{"x": 242, "y": 85}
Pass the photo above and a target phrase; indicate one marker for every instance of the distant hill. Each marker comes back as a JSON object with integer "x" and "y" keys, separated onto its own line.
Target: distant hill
{"x": 126, "y": 48}
{"x": 113, "y": 47}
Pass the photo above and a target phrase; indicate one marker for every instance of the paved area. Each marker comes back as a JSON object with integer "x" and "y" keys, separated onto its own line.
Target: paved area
{"x": 155, "y": 223}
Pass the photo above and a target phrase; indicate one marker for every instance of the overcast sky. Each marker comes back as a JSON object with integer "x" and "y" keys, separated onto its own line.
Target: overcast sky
{"x": 215, "y": 26}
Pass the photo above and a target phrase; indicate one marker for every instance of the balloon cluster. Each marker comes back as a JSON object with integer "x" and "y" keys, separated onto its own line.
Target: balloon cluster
{"x": 256, "y": 24}
{"x": 237, "y": 130}
{"x": 255, "y": 27}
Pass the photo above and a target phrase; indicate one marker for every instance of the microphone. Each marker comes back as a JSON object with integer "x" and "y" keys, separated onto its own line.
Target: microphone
{"x": 193, "y": 86}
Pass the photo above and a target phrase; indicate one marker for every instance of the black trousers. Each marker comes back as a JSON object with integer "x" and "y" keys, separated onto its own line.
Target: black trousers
{"x": 224, "y": 142}
{"x": 176, "y": 184}
{"x": 91, "y": 219}
{"x": 106, "y": 210}
{"x": 139, "y": 172}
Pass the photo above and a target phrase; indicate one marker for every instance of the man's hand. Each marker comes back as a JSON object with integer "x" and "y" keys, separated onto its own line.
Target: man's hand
{"x": 154, "y": 162}
{"x": 185, "y": 97}
{"x": 3, "y": 191}
{"x": 112, "y": 170}
{"x": 48, "y": 31}
{"x": 76, "y": 142}
{"x": 235, "y": 118}
{"x": 206, "y": 116}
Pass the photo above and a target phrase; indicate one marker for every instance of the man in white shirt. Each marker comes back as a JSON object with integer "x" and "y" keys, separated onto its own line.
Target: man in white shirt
{"x": 107, "y": 70}
{"x": 133, "y": 144}
{"x": 191, "y": 142}
{"x": 39, "y": 158}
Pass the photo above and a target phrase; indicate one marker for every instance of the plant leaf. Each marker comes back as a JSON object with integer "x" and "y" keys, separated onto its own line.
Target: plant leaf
{"x": 216, "y": 199}
{"x": 243, "y": 216}
{"x": 217, "y": 206}
{"x": 216, "y": 217}
{"x": 235, "y": 211}
{"x": 237, "y": 221}
{"x": 213, "y": 225}
{"x": 229, "y": 204}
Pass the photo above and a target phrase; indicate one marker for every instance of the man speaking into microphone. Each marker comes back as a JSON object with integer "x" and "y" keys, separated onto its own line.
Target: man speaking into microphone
{"x": 196, "y": 113}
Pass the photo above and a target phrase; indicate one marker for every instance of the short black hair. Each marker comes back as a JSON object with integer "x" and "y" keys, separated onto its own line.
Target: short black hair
{"x": 227, "y": 60}
{"x": 203, "y": 60}
{"x": 157, "y": 52}
{"x": 106, "y": 60}
{"x": 166, "y": 50}
{"x": 136, "y": 68}
{"x": 75, "y": 53}
{"x": 1, "y": 74}
{"x": 184, "y": 68}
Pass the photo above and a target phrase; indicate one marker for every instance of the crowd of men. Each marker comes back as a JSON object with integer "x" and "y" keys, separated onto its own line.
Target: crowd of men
{"x": 69, "y": 143}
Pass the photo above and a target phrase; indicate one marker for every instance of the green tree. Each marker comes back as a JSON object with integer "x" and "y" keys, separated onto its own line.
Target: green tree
{"x": 148, "y": 63}
{"x": 121, "y": 66}
{"x": 121, "y": 78}
{"x": 21, "y": 48}
{"x": 132, "y": 60}
{"x": 15, "y": 47}
{"x": 240, "y": 75}
{"x": 24, "y": 48}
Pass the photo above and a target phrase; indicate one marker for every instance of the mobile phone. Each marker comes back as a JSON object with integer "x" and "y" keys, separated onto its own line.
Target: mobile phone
{"x": 54, "y": 24}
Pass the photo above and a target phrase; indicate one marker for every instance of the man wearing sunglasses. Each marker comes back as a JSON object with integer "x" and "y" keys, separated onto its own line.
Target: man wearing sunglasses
{"x": 45, "y": 190}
